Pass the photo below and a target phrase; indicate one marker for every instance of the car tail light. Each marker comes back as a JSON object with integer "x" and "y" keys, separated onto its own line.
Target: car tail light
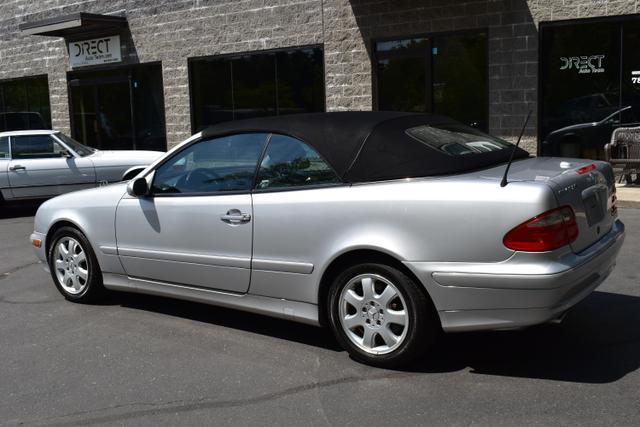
{"x": 585, "y": 169}
{"x": 545, "y": 232}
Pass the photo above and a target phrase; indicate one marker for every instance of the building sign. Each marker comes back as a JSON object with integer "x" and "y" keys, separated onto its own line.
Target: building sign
{"x": 105, "y": 50}
{"x": 583, "y": 64}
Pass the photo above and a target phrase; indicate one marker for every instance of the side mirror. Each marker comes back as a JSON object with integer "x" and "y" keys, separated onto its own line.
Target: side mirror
{"x": 66, "y": 154}
{"x": 138, "y": 187}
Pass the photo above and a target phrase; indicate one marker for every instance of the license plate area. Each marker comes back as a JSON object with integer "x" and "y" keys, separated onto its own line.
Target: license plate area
{"x": 595, "y": 204}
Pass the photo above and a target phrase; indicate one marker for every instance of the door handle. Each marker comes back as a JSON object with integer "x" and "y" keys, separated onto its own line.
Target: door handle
{"x": 17, "y": 168}
{"x": 234, "y": 216}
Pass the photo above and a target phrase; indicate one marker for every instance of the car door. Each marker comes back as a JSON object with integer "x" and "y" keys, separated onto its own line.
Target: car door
{"x": 195, "y": 226}
{"x": 298, "y": 207}
{"x": 41, "y": 166}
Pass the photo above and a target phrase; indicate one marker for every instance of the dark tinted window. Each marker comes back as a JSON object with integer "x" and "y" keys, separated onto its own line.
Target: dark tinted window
{"x": 35, "y": 147}
{"x": 444, "y": 74}
{"x": 589, "y": 72}
{"x": 4, "y": 147}
{"x": 221, "y": 164}
{"x": 255, "y": 85}
{"x": 24, "y": 104}
{"x": 289, "y": 162}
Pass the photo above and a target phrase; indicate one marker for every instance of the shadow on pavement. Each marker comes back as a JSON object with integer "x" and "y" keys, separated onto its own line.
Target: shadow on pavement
{"x": 220, "y": 316}
{"x": 19, "y": 209}
{"x": 598, "y": 342}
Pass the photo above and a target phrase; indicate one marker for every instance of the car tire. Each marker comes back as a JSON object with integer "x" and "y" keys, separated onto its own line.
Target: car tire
{"x": 369, "y": 324}
{"x": 74, "y": 266}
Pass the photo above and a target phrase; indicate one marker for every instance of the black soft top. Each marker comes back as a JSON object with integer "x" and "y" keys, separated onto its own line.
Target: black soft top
{"x": 364, "y": 146}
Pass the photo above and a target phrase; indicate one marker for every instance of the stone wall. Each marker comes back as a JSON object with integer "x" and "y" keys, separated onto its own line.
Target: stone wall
{"x": 170, "y": 31}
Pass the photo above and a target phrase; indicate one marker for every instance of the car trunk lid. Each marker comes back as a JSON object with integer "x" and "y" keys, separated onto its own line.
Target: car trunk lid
{"x": 587, "y": 186}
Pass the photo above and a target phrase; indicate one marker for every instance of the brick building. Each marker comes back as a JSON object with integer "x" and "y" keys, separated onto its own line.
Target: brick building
{"x": 147, "y": 74}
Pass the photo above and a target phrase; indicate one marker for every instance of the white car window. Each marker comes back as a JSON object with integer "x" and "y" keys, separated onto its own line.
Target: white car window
{"x": 35, "y": 147}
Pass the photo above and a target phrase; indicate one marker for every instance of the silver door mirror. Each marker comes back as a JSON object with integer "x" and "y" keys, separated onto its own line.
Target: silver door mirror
{"x": 138, "y": 187}
{"x": 66, "y": 154}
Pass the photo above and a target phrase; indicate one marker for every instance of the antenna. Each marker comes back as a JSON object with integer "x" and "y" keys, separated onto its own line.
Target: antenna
{"x": 513, "y": 152}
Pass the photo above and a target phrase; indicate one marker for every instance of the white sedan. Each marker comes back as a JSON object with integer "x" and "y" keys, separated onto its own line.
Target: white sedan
{"x": 43, "y": 163}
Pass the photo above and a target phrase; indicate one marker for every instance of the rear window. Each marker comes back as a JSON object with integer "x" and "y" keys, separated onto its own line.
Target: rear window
{"x": 456, "y": 139}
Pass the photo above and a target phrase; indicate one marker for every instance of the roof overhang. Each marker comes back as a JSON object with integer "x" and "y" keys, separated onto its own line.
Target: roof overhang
{"x": 73, "y": 25}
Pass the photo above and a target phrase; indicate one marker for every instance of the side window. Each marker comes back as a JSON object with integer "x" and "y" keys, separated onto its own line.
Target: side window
{"x": 221, "y": 164}
{"x": 4, "y": 147}
{"x": 35, "y": 147}
{"x": 289, "y": 162}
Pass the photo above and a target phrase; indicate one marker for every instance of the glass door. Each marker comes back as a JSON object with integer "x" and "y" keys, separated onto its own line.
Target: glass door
{"x": 102, "y": 112}
{"x": 119, "y": 109}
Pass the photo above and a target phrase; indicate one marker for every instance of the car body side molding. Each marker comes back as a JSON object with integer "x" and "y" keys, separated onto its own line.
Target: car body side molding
{"x": 285, "y": 309}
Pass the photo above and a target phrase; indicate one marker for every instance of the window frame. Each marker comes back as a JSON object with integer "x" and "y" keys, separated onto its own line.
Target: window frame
{"x": 431, "y": 36}
{"x": 231, "y": 56}
{"x": 197, "y": 141}
{"x": 256, "y": 190}
{"x": 548, "y": 25}
{"x": 253, "y": 189}
{"x": 55, "y": 140}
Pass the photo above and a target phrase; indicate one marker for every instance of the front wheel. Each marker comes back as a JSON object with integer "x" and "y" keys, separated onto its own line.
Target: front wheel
{"x": 74, "y": 267}
{"x": 380, "y": 316}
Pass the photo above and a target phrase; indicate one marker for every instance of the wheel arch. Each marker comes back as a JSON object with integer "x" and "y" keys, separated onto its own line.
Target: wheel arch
{"x": 57, "y": 226}
{"x": 359, "y": 256}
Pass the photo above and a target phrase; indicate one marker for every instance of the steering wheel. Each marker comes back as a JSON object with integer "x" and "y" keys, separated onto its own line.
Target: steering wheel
{"x": 199, "y": 179}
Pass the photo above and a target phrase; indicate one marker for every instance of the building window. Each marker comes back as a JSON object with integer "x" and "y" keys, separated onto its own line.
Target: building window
{"x": 121, "y": 108}
{"x": 443, "y": 74}
{"x": 589, "y": 80}
{"x": 24, "y": 104}
{"x": 254, "y": 85}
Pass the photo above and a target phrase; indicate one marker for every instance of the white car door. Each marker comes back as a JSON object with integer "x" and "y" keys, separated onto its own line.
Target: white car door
{"x": 195, "y": 227}
{"x": 42, "y": 167}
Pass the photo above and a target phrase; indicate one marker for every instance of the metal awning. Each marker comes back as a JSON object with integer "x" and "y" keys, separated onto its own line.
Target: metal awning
{"x": 74, "y": 24}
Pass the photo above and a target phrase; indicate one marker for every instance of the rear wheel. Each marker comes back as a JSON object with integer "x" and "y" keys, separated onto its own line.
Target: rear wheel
{"x": 380, "y": 316}
{"x": 74, "y": 267}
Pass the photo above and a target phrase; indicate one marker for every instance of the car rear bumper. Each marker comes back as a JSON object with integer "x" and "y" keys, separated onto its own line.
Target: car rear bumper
{"x": 521, "y": 291}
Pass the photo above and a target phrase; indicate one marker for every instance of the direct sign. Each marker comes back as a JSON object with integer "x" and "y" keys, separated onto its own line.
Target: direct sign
{"x": 105, "y": 50}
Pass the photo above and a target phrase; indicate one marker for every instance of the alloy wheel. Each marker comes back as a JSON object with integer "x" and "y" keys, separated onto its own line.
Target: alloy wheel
{"x": 373, "y": 314}
{"x": 71, "y": 267}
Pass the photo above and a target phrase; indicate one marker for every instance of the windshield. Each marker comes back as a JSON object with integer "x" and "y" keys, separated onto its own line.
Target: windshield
{"x": 456, "y": 139}
{"x": 79, "y": 148}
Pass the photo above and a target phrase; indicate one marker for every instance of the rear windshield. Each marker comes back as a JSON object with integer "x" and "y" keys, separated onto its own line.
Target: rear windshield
{"x": 456, "y": 139}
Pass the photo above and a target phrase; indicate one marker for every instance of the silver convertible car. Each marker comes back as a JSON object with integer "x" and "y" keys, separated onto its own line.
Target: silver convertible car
{"x": 387, "y": 227}
{"x": 43, "y": 163}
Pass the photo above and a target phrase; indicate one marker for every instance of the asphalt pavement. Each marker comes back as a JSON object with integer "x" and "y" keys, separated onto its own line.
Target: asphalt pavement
{"x": 140, "y": 360}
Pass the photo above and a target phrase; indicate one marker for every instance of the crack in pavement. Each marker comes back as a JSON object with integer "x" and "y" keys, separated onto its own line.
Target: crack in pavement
{"x": 181, "y": 406}
{"x": 7, "y": 273}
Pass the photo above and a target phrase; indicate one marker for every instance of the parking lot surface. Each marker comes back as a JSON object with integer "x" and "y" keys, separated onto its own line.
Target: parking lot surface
{"x": 152, "y": 361}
